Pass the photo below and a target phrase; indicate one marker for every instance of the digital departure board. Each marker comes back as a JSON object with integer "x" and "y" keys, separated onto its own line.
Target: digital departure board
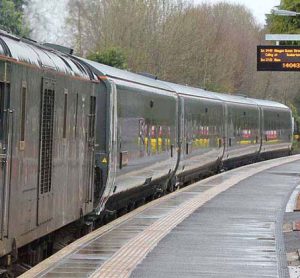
{"x": 278, "y": 58}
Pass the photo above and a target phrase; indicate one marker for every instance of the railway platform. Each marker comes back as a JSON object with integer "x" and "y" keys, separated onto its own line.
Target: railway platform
{"x": 240, "y": 223}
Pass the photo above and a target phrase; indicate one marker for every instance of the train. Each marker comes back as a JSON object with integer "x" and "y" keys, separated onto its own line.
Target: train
{"x": 81, "y": 141}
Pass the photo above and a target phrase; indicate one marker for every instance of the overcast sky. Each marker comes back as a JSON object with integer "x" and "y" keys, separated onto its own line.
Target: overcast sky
{"x": 258, "y": 7}
{"x": 54, "y": 28}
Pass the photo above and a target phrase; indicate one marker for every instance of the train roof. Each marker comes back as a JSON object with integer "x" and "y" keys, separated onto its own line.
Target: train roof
{"x": 237, "y": 99}
{"x": 119, "y": 74}
{"x": 30, "y": 52}
{"x": 125, "y": 75}
{"x": 270, "y": 103}
{"x": 191, "y": 91}
{"x": 197, "y": 92}
{"x": 253, "y": 101}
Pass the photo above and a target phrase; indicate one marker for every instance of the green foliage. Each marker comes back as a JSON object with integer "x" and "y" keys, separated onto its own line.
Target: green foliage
{"x": 19, "y": 4}
{"x": 11, "y": 16}
{"x": 112, "y": 56}
{"x": 295, "y": 111}
{"x": 295, "y": 107}
{"x": 285, "y": 24}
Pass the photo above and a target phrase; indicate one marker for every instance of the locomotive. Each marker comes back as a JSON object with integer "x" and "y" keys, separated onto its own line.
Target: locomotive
{"x": 80, "y": 140}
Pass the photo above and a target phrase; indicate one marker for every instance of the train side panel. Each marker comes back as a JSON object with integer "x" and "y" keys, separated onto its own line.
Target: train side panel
{"x": 243, "y": 132}
{"x": 147, "y": 133}
{"x": 276, "y": 131}
{"x": 203, "y": 132}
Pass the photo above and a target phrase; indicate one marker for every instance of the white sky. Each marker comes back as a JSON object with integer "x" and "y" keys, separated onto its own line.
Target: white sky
{"x": 258, "y": 7}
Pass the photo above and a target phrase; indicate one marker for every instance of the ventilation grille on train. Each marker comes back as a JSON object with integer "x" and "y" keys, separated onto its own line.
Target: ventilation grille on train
{"x": 46, "y": 140}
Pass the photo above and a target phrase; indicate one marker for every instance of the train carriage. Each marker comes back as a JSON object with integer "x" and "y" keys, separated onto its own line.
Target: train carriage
{"x": 276, "y": 128}
{"x": 46, "y": 145}
{"x": 202, "y": 133}
{"x": 243, "y": 136}
{"x": 145, "y": 125}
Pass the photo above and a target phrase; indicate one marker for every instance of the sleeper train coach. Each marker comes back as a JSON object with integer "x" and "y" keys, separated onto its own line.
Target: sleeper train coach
{"x": 79, "y": 140}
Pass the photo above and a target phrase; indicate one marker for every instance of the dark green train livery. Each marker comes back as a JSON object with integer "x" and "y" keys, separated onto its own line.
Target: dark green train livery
{"x": 79, "y": 140}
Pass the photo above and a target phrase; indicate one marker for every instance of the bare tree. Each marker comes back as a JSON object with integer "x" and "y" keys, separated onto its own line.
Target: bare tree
{"x": 209, "y": 46}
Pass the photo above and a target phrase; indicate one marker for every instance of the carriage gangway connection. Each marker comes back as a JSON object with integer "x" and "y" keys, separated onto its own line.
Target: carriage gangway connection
{"x": 240, "y": 223}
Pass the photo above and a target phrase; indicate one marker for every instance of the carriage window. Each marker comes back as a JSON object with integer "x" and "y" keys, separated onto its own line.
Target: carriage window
{"x": 23, "y": 115}
{"x": 65, "y": 114}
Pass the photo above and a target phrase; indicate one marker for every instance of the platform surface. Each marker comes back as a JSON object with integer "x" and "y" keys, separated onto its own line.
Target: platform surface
{"x": 229, "y": 225}
{"x": 236, "y": 234}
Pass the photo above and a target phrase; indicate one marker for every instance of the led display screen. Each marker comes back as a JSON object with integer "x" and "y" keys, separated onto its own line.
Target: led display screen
{"x": 278, "y": 58}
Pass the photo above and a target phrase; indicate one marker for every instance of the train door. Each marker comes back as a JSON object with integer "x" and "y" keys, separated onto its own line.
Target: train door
{"x": 261, "y": 128}
{"x": 227, "y": 123}
{"x": 223, "y": 130}
{"x": 90, "y": 150}
{"x": 112, "y": 148}
{"x": 5, "y": 149}
{"x": 45, "y": 191}
{"x": 181, "y": 136}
